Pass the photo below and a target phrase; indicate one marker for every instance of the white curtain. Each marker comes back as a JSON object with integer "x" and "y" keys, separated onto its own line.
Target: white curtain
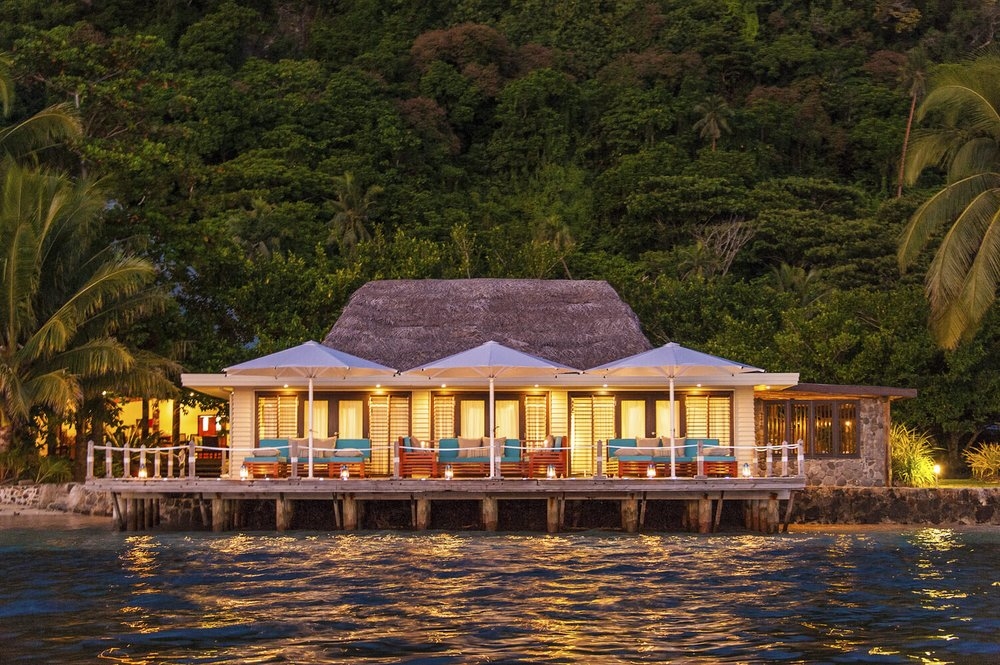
{"x": 321, "y": 419}
{"x": 473, "y": 415}
{"x": 507, "y": 421}
{"x": 351, "y": 419}
{"x": 633, "y": 418}
{"x": 663, "y": 418}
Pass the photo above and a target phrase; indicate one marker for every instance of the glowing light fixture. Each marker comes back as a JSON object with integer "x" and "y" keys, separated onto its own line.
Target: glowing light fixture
{"x": 746, "y": 469}
{"x": 651, "y": 471}
{"x": 937, "y": 472}
{"x": 449, "y": 472}
{"x": 345, "y": 473}
{"x": 550, "y": 471}
{"x": 244, "y": 472}
{"x": 143, "y": 473}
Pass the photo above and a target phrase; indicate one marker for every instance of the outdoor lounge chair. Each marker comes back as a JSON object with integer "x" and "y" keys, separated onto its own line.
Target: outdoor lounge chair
{"x": 269, "y": 459}
{"x": 416, "y": 460}
{"x": 554, "y": 453}
{"x": 352, "y": 453}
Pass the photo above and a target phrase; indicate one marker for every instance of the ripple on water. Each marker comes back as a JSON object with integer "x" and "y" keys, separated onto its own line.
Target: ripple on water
{"x": 883, "y": 596}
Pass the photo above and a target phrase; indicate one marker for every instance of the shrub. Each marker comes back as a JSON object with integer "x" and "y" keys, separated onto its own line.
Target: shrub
{"x": 984, "y": 461}
{"x": 912, "y": 457}
{"x": 53, "y": 470}
{"x": 14, "y": 464}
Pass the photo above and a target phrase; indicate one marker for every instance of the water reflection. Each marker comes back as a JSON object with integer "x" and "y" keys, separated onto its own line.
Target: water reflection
{"x": 470, "y": 598}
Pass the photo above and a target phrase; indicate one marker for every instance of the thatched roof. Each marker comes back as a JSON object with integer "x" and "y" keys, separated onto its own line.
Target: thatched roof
{"x": 407, "y": 323}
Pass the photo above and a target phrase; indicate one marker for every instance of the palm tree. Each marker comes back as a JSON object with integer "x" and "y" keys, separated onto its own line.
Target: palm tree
{"x": 913, "y": 77}
{"x": 715, "y": 115}
{"x": 961, "y": 283}
{"x": 353, "y": 207}
{"x": 49, "y": 127}
{"x": 62, "y": 299}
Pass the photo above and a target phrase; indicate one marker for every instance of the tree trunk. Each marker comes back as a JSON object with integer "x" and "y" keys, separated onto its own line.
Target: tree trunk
{"x": 906, "y": 141}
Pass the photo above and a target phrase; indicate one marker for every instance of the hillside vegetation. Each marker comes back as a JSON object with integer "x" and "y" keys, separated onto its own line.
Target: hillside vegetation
{"x": 731, "y": 168}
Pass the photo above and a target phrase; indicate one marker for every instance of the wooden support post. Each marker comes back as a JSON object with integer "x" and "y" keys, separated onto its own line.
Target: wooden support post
{"x": 630, "y": 515}
{"x": 151, "y": 513}
{"x": 599, "y": 456}
{"x": 750, "y": 513}
{"x": 350, "y": 513}
{"x": 552, "y": 514}
{"x": 117, "y": 516}
{"x": 773, "y": 516}
{"x": 133, "y": 514}
{"x": 704, "y": 515}
{"x": 642, "y": 511}
{"x": 284, "y": 510}
{"x": 203, "y": 508}
{"x": 718, "y": 512}
{"x": 788, "y": 512}
{"x": 219, "y": 515}
{"x": 423, "y": 514}
{"x": 337, "y": 522}
{"x": 491, "y": 514}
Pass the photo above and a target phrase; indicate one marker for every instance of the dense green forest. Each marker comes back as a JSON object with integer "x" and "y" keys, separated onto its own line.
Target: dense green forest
{"x": 730, "y": 167}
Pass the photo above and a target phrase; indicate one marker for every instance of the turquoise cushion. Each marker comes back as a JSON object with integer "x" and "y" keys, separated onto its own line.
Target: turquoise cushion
{"x": 364, "y": 445}
{"x": 511, "y": 451}
{"x": 280, "y": 444}
{"x": 447, "y": 450}
{"x": 615, "y": 444}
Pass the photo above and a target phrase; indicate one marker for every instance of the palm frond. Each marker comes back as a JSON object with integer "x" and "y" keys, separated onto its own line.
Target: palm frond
{"x": 46, "y": 128}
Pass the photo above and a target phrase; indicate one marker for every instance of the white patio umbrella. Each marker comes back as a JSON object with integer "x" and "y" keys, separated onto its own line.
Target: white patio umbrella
{"x": 671, "y": 361}
{"x": 311, "y": 360}
{"x": 491, "y": 360}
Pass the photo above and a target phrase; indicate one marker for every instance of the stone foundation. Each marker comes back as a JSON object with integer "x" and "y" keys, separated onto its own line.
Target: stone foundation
{"x": 68, "y": 498}
{"x": 897, "y": 505}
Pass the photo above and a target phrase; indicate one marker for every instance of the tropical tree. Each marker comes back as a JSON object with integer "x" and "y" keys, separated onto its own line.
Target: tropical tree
{"x": 63, "y": 298}
{"x": 353, "y": 205}
{"x": 964, "y": 104}
{"x": 913, "y": 77}
{"x": 24, "y": 138}
{"x": 714, "y": 118}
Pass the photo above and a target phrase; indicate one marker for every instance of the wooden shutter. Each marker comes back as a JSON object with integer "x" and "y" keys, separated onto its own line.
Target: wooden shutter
{"x": 535, "y": 419}
{"x": 277, "y": 417}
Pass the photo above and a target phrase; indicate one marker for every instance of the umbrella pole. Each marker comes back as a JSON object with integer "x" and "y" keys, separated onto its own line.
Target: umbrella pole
{"x": 673, "y": 432}
{"x": 310, "y": 427}
{"x": 493, "y": 463}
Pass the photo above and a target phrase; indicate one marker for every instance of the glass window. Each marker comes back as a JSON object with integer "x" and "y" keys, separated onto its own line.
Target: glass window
{"x": 828, "y": 428}
{"x": 663, "y": 420}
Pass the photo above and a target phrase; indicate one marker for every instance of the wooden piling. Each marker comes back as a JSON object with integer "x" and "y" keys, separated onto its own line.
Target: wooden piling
{"x": 337, "y": 522}
{"x": 704, "y": 515}
{"x": 283, "y": 513}
{"x": 490, "y": 513}
{"x": 423, "y": 514}
{"x": 552, "y": 512}
{"x": 350, "y": 513}
{"x": 773, "y": 519}
{"x": 220, "y": 515}
{"x": 132, "y": 515}
{"x": 630, "y": 515}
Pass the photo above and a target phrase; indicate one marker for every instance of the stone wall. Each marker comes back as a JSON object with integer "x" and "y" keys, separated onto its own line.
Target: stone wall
{"x": 897, "y": 505}
{"x": 68, "y": 498}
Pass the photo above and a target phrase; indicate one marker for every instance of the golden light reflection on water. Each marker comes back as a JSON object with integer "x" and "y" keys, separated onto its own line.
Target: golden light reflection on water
{"x": 573, "y": 598}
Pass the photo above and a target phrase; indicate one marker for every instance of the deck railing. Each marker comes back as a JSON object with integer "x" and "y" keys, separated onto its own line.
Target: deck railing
{"x": 187, "y": 460}
{"x": 190, "y": 460}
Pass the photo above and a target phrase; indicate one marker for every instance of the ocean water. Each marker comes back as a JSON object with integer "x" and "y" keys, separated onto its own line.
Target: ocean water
{"x": 80, "y": 594}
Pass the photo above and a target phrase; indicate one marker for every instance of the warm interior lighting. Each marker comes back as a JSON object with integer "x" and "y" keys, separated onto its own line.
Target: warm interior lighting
{"x": 378, "y": 385}
{"x": 605, "y": 385}
{"x": 244, "y": 472}
{"x": 550, "y": 471}
{"x": 937, "y": 470}
{"x": 651, "y": 471}
{"x": 345, "y": 473}
{"x": 449, "y": 472}
{"x": 444, "y": 385}
{"x": 143, "y": 474}
{"x": 746, "y": 469}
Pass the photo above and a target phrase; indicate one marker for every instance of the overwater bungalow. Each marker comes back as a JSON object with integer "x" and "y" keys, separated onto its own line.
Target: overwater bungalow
{"x": 573, "y": 391}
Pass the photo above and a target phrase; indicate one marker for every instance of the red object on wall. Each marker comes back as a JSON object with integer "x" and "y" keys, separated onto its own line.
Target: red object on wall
{"x": 207, "y": 425}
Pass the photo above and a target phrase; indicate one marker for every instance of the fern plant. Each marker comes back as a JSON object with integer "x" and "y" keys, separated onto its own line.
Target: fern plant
{"x": 984, "y": 461}
{"x": 912, "y": 457}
